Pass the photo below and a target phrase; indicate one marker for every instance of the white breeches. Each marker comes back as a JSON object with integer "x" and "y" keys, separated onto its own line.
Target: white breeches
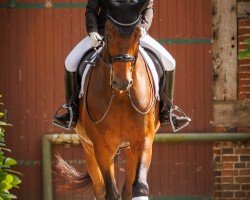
{"x": 74, "y": 58}
{"x": 167, "y": 60}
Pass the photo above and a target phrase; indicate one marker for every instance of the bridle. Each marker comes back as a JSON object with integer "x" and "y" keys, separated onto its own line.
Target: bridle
{"x": 121, "y": 58}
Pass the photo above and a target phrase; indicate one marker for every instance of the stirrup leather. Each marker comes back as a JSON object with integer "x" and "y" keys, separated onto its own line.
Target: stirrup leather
{"x": 66, "y": 126}
{"x": 181, "y": 115}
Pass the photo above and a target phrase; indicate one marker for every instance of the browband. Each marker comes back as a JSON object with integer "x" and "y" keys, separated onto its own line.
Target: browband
{"x": 123, "y": 24}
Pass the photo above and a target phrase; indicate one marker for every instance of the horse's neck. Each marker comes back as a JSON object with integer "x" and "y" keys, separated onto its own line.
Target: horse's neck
{"x": 101, "y": 75}
{"x": 103, "y": 68}
{"x": 142, "y": 89}
{"x": 99, "y": 93}
{"x": 140, "y": 72}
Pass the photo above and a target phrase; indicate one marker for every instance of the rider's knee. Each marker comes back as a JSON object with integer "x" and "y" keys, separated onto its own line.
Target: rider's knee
{"x": 70, "y": 64}
{"x": 170, "y": 64}
{"x": 173, "y": 64}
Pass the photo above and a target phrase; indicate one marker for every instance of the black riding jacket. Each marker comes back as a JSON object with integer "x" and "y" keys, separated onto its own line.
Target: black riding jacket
{"x": 96, "y": 15}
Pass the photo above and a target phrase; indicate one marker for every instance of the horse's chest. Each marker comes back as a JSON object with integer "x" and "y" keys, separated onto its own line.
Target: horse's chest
{"x": 125, "y": 120}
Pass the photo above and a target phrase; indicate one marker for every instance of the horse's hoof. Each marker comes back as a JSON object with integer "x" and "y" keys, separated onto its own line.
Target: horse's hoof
{"x": 140, "y": 198}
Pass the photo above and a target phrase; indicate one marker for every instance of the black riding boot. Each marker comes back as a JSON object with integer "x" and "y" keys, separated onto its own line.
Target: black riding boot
{"x": 166, "y": 105}
{"x": 69, "y": 119}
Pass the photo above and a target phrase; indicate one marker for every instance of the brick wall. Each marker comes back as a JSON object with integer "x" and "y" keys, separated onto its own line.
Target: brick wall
{"x": 232, "y": 171}
{"x": 243, "y": 65}
{"x": 231, "y": 167}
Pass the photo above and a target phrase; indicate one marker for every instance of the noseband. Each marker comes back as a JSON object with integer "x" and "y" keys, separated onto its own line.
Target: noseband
{"x": 122, "y": 58}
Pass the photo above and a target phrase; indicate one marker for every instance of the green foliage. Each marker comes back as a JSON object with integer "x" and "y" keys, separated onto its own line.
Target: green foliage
{"x": 246, "y": 53}
{"x": 8, "y": 178}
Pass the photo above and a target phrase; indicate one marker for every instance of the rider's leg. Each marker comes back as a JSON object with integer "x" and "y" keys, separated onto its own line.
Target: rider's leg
{"x": 167, "y": 97}
{"x": 71, "y": 95}
{"x": 168, "y": 63}
{"x": 167, "y": 103}
{"x": 71, "y": 63}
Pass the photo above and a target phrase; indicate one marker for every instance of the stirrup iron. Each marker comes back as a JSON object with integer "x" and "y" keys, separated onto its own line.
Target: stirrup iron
{"x": 182, "y": 115}
{"x": 66, "y": 126}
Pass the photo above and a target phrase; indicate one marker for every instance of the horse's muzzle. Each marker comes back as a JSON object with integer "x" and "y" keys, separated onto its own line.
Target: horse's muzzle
{"x": 122, "y": 85}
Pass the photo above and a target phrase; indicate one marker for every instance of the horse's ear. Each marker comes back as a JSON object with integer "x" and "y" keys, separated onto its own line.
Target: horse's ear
{"x": 137, "y": 31}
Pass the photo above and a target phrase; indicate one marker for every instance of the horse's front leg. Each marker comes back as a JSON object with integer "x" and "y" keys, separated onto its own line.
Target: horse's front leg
{"x": 94, "y": 172}
{"x": 131, "y": 166}
{"x": 105, "y": 154}
{"x": 140, "y": 190}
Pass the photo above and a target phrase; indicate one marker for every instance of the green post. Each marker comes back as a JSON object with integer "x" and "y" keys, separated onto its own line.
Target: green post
{"x": 203, "y": 137}
{"x": 47, "y": 169}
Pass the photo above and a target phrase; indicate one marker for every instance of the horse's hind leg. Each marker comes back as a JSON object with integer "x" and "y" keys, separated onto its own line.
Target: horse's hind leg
{"x": 94, "y": 172}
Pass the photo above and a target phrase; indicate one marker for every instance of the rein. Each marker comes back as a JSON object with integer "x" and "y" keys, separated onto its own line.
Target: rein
{"x": 151, "y": 103}
{"x": 122, "y": 58}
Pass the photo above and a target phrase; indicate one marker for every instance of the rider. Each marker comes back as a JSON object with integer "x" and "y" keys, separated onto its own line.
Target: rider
{"x": 96, "y": 15}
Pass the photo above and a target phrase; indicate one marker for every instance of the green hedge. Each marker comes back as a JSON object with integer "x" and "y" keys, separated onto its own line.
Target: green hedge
{"x": 8, "y": 178}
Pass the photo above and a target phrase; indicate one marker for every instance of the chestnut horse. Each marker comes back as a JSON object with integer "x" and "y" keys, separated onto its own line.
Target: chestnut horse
{"x": 118, "y": 109}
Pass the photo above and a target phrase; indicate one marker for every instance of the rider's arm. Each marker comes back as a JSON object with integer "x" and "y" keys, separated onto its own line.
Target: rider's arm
{"x": 147, "y": 16}
{"x": 92, "y": 10}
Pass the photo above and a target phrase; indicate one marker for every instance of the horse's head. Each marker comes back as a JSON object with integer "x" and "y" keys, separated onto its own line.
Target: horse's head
{"x": 122, "y": 40}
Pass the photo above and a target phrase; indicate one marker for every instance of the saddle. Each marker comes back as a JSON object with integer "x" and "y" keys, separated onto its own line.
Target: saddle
{"x": 82, "y": 66}
{"x": 159, "y": 68}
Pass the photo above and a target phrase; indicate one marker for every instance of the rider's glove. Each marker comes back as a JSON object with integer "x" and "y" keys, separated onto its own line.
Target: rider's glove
{"x": 95, "y": 39}
{"x": 143, "y": 32}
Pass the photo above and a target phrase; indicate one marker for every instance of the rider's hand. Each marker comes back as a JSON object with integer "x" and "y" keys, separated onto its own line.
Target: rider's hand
{"x": 95, "y": 39}
{"x": 143, "y": 32}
